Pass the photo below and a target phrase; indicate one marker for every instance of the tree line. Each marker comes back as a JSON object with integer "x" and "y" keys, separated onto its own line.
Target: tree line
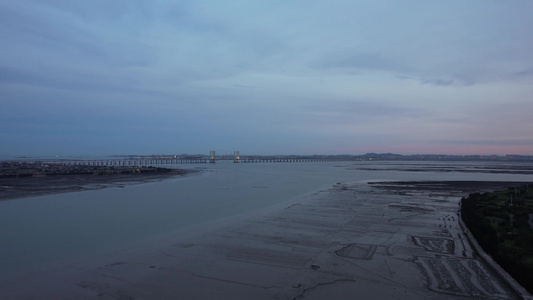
{"x": 502, "y": 223}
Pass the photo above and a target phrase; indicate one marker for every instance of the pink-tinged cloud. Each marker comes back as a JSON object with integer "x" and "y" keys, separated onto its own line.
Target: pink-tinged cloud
{"x": 352, "y": 77}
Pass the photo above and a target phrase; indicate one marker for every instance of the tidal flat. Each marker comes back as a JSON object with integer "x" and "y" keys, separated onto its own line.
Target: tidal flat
{"x": 382, "y": 234}
{"x": 13, "y": 188}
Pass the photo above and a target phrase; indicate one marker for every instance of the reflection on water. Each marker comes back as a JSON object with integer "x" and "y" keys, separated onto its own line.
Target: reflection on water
{"x": 41, "y": 230}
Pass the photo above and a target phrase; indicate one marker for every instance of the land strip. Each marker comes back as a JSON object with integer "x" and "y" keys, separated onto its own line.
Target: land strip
{"x": 79, "y": 179}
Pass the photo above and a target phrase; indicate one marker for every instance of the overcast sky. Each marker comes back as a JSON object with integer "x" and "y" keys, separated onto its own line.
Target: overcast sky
{"x": 266, "y": 77}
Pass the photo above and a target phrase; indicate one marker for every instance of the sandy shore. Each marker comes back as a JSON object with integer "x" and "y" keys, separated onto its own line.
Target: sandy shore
{"x": 388, "y": 240}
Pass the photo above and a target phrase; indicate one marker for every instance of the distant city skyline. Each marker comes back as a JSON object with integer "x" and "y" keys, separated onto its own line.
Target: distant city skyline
{"x": 266, "y": 77}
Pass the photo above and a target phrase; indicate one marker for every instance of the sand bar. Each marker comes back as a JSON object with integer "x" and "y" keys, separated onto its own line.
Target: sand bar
{"x": 13, "y": 188}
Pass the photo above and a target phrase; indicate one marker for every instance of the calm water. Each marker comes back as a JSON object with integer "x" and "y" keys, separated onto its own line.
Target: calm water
{"x": 41, "y": 231}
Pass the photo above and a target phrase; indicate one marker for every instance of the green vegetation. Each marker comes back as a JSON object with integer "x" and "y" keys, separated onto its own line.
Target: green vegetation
{"x": 502, "y": 224}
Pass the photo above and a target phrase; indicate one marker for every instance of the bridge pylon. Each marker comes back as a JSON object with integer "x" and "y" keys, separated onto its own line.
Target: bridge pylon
{"x": 212, "y": 154}
{"x": 236, "y": 157}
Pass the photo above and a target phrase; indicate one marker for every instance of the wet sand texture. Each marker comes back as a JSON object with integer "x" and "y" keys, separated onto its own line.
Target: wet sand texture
{"x": 354, "y": 241}
{"x": 12, "y": 188}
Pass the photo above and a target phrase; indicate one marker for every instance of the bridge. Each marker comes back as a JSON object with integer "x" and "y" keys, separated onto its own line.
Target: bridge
{"x": 139, "y": 162}
{"x": 280, "y": 159}
{"x": 283, "y": 160}
{"x": 174, "y": 160}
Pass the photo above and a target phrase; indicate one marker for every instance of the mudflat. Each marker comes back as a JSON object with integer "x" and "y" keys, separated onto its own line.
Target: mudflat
{"x": 382, "y": 240}
{"x": 12, "y": 188}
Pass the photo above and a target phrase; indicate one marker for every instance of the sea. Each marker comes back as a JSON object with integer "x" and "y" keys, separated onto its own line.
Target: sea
{"x": 39, "y": 232}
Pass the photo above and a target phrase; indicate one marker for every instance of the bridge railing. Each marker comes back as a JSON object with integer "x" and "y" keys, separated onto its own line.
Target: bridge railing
{"x": 133, "y": 162}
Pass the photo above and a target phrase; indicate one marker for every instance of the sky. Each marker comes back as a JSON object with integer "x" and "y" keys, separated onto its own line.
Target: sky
{"x": 107, "y": 77}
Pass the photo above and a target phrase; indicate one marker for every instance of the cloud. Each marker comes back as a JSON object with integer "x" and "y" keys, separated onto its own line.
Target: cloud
{"x": 441, "y": 82}
{"x": 324, "y": 75}
{"x": 498, "y": 142}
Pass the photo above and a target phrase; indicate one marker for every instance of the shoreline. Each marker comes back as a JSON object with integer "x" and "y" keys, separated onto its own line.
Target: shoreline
{"x": 387, "y": 239}
{"x": 24, "y": 187}
{"x": 511, "y": 281}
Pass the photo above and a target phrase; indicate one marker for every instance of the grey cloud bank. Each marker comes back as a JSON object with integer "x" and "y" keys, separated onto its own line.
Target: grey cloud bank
{"x": 116, "y": 77}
